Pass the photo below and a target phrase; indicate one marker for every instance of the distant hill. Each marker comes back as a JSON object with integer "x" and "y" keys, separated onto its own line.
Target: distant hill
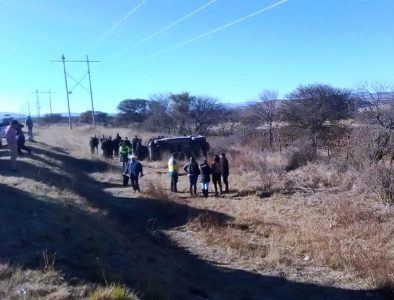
{"x": 12, "y": 115}
{"x": 236, "y": 105}
{"x": 23, "y": 116}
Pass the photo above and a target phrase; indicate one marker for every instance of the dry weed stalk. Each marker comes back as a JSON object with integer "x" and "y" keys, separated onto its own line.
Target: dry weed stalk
{"x": 49, "y": 261}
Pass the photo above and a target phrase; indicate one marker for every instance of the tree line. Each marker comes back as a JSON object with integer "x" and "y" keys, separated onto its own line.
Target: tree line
{"x": 317, "y": 109}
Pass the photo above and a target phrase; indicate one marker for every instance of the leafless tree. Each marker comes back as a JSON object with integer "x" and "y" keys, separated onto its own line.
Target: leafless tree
{"x": 159, "y": 110}
{"x": 266, "y": 111}
{"x": 379, "y": 101}
{"x": 180, "y": 111}
{"x": 230, "y": 121}
{"x": 316, "y": 107}
{"x": 204, "y": 111}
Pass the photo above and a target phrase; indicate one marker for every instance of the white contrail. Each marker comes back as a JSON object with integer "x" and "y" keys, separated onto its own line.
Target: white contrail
{"x": 165, "y": 28}
{"x": 211, "y": 31}
{"x": 117, "y": 24}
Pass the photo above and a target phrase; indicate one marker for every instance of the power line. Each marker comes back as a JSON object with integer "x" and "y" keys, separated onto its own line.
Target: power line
{"x": 117, "y": 24}
{"x": 38, "y": 101}
{"x": 164, "y": 28}
{"x": 38, "y": 107}
{"x": 78, "y": 83}
{"x": 220, "y": 28}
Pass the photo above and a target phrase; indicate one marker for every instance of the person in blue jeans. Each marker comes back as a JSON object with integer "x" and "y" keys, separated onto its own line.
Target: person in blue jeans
{"x": 205, "y": 171}
{"x": 134, "y": 170}
{"x": 192, "y": 170}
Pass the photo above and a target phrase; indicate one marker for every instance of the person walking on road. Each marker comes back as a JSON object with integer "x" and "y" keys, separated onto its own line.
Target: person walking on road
{"x": 192, "y": 170}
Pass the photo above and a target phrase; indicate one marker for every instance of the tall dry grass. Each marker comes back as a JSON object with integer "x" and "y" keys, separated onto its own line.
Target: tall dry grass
{"x": 317, "y": 214}
{"x": 322, "y": 214}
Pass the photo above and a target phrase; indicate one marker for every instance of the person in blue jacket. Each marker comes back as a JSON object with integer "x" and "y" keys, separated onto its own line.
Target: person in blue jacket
{"x": 134, "y": 170}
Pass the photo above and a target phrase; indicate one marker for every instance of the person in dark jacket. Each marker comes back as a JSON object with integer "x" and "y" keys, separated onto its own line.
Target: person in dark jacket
{"x": 93, "y": 143}
{"x": 116, "y": 143}
{"x": 127, "y": 141}
{"x": 216, "y": 168}
{"x": 103, "y": 142}
{"x": 110, "y": 148}
{"x": 134, "y": 170}
{"x": 29, "y": 124}
{"x": 134, "y": 143}
{"x": 192, "y": 170}
{"x": 205, "y": 171}
{"x": 20, "y": 140}
{"x": 225, "y": 171}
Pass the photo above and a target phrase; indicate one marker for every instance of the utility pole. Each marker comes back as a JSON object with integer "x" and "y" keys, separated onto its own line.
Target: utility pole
{"x": 91, "y": 93}
{"x": 50, "y": 100}
{"x": 67, "y": 92}
{"x": 37, "y": 104}
{"x": 28, "y": 107}
{"x": 78, "y": 83}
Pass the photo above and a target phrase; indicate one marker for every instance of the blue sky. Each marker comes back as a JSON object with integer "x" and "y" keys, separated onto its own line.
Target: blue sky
{"x": 338, "y": 42}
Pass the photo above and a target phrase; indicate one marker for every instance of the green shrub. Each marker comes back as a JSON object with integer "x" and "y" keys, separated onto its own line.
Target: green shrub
{"x": 113, "y": 292}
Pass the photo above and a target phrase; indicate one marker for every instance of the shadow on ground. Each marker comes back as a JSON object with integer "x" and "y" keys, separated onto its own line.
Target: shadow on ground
{"x": 123, "y": 241}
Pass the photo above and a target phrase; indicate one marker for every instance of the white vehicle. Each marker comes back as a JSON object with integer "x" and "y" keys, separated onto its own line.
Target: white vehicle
{"x": 5, "y": 120}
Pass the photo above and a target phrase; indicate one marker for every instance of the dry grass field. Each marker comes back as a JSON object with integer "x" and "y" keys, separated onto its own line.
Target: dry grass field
{"x": 70, "y": 230}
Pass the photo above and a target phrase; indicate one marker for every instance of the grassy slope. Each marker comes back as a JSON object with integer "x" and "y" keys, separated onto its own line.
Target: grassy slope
{"x": 71, "y": 205}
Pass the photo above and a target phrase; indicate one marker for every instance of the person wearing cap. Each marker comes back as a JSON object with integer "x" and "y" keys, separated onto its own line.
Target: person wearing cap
{"x": 173, "y": 172}
{"x": 11, "y": 132}
{"x": 134, "y": 170}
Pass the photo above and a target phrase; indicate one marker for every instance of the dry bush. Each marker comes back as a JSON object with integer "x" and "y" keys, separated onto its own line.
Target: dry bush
{"x": 346, "y": 237}
{"x": 313, "y": 177}
{"x": 222, "y": 144}
{"x": 207, "y": 221}
{"x": 377, "y": 182}
{"x": 300, "y": 153}
{"x": 228, "y": 236}
{"x": 270, "y": 169}
{"x": 156, "y": 191}
{"x": 360, "y": 148}
{"x": 18, "y": 283}
{"x": 113, "y": 292}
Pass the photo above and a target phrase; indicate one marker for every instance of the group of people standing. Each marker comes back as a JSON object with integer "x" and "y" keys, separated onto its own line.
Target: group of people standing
{"x": 116, "y": 147}
{"x": 217, "y": 170}
{"x": 16, "y": 139}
